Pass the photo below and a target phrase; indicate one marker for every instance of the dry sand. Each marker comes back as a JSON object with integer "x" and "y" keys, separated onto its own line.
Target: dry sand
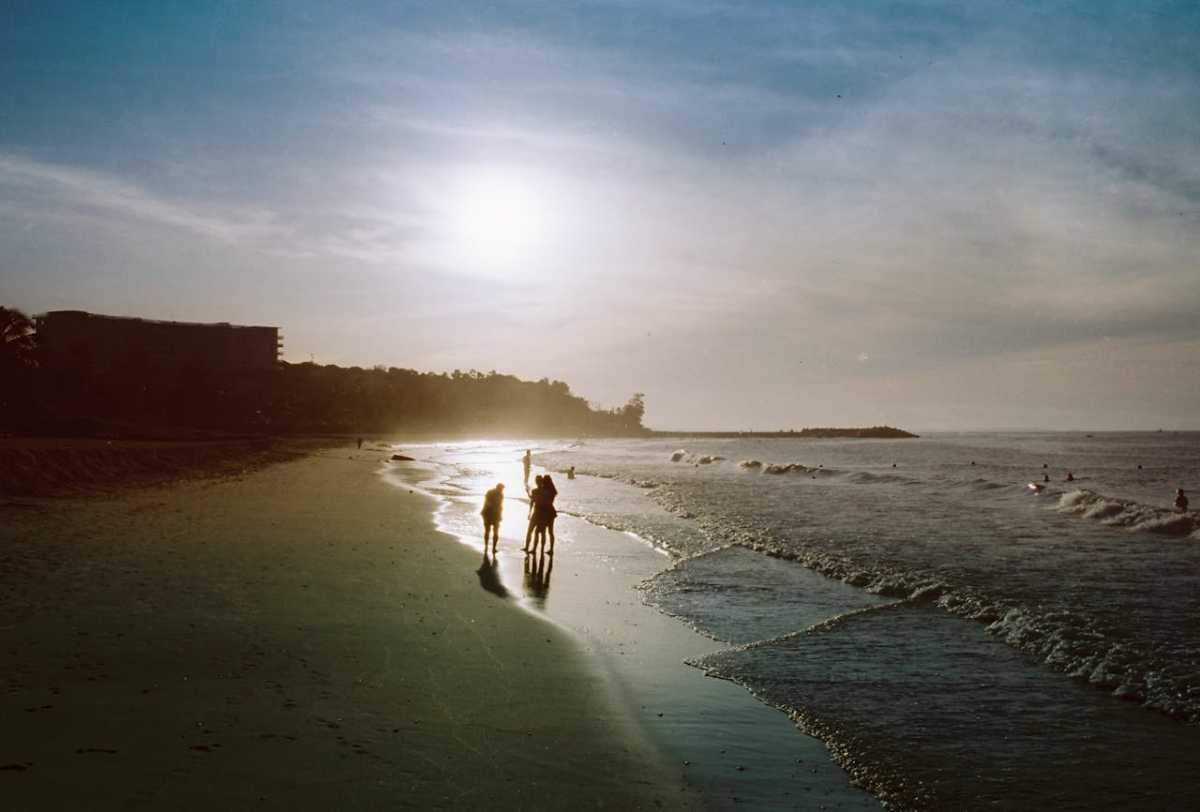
{"x": 40, "y": 466}
{"x": 299, "y": 637}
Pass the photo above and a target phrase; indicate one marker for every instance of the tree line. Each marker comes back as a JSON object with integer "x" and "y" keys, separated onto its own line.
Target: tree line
{"x": 292, "y": 398}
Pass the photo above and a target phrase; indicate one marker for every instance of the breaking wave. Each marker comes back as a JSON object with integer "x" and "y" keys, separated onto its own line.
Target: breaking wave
{"x": 1110, "y": 510}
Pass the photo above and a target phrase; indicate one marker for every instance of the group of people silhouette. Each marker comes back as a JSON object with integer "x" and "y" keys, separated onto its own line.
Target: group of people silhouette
{"x": 541, "y": 512}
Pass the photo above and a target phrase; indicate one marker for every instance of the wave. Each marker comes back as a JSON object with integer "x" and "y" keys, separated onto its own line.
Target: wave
{"x": 786, "y": 468}
{"x": 980, "y": 484}
{"x": 1086, "y": 642}
{"x": 1115, "y": 512}
{"x": 682, "y": 455}
{"x": 1071, "y": 643}
{"x": 1067, "y": 642}
{"x": 778, "y": 468}
{"x": 867, "y": 478}
{"x": 799, "y": 468}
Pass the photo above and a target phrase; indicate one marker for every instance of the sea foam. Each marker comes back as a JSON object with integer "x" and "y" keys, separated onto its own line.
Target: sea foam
{"x": 1127, "y": 513}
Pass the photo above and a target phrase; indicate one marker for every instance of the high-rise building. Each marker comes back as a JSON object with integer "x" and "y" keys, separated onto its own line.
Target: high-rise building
{"x": 75, "y": 341}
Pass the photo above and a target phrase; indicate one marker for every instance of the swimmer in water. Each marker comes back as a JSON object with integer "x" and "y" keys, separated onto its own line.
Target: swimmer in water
{"x": 1181, "y": 501}
{"x": 1070, "y": 477}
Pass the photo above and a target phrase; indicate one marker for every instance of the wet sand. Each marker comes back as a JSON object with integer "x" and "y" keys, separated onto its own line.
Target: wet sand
{"x": 723, "y": 747}
{"x": 300, "y": 636}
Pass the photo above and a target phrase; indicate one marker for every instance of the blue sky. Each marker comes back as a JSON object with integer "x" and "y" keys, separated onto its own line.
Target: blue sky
{"x": 933, "y": 214}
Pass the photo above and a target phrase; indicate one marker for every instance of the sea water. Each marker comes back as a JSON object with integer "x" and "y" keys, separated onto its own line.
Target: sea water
{"x": 1000, "y": 647}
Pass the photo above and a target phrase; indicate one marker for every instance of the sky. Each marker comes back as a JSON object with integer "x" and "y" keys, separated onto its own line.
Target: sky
{"x": 935, "y": 215}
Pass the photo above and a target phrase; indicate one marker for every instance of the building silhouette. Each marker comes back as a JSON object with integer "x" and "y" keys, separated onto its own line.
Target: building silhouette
{"x": 73, "y": 341}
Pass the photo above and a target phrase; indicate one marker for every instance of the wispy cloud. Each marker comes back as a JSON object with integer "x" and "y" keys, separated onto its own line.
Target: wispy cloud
{"x": 947, "y": 190}
{"x": 57, "y": 193}
{"x": 94, "y": 193}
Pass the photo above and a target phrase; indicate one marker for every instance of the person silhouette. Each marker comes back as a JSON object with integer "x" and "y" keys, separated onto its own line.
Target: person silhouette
{"x": 549, "y": 513}
{"x": 527, "y": 463}
{"x": 493, "y": 508}
{"x": 532, "y": 531}
{"x": 1181, "y": 500}
{"x": 541, "y": 514}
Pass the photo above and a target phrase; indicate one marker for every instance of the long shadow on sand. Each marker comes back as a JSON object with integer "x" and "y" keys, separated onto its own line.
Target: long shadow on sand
{"x": 489, "y": 576}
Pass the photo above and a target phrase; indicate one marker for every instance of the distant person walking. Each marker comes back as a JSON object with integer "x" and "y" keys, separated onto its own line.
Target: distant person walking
{"x": 527, "y": 461}
{"x": 360, "y": 444}
{"x": 493, "y": 507}
{"x": 571, "y": 472}
{"x": 1181, "y": 501}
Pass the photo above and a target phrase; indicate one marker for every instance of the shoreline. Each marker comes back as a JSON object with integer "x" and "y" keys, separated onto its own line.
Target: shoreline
{"x": 724, "y": 746}
{"x": 298, "y": 636}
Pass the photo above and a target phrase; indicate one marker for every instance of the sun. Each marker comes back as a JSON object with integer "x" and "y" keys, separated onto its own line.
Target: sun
{"x": 498, "y": 220}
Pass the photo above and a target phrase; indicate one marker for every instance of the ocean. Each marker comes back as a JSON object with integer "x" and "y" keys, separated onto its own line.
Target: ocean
{"x": 956, "y": 638}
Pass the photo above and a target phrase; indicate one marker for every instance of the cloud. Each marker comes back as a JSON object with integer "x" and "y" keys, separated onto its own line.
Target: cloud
{"x": 922, "y": 212}
{"x": 93, "y": 193}
{"x": 57, "y": 194}
{"x": 950, "y": 187}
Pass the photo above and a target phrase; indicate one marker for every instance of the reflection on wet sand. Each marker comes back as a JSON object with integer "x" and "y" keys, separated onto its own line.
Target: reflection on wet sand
{"x": 489, "y": 575}
{"x": 537, "y": 577}
{"x": 535, "y": 584}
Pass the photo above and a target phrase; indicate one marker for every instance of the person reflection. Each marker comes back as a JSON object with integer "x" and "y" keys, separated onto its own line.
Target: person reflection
{"x": 537, "y": 577}
{"x": 489, "y": 575}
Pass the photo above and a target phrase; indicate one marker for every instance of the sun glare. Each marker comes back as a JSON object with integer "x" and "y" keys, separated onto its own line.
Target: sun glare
{"x": 499, "y": 221}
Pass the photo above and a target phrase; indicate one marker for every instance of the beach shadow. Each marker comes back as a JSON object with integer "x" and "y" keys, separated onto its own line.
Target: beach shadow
{"x": 489, "y": 576}
{"x": 537, "y": 577}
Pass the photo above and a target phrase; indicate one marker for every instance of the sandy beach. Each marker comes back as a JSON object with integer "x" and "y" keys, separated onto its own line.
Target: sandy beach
{"x": 47, "y": 466}
{"x": 724, "y": 749}
{"x": 298, "y": 636}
